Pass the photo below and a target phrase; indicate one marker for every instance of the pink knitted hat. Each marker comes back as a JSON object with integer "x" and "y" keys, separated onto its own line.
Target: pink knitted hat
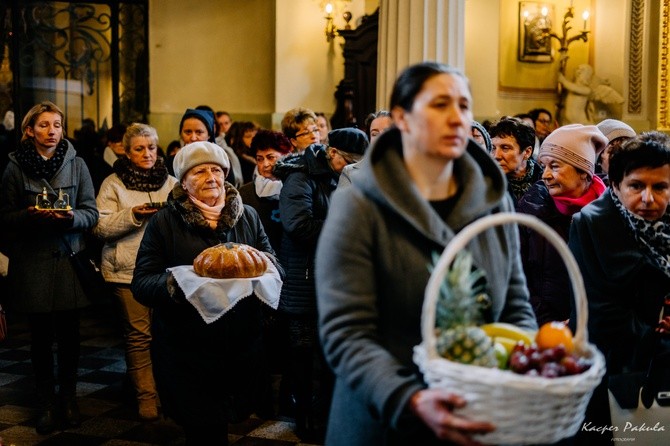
{"x": 576, "y": 144}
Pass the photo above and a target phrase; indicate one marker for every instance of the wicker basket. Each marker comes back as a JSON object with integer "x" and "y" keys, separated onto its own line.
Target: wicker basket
{"x": 524, "y": 409}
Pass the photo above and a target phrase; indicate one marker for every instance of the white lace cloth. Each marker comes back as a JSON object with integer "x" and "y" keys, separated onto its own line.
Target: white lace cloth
{"x": 213, "y": 298}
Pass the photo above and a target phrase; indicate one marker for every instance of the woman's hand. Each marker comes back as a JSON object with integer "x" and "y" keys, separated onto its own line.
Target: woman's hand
{"x": 143, "y": 211}
{"x": 49, "y": 217}
{"x": 664, "y": 326}
{"x": 435, "y": 408}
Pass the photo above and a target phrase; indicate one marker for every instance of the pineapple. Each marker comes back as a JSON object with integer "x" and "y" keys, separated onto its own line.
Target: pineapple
{"x": 459, "y": 314}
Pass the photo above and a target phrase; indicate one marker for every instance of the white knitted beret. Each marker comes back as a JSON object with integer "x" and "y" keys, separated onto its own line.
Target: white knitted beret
{"x": 196, "y": 153}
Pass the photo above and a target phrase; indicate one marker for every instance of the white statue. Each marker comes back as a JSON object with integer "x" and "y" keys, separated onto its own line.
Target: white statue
{"x": 588, "y": 99}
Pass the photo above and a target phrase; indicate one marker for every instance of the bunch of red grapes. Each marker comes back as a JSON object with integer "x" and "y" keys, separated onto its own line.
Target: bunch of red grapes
{"x": 549, "y": 363}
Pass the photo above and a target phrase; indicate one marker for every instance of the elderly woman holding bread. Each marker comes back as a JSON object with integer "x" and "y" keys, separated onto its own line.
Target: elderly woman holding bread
{"x": 198, "y": 365}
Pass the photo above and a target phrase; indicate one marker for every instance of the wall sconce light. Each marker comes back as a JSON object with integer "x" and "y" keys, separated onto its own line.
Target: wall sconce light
{"x": 563, "y": 39}
{"x": 331, "y": 30}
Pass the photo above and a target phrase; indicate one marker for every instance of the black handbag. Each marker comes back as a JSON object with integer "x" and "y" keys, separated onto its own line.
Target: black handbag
{"x": 653, "y": 384}
{"x": 89, "y": 274}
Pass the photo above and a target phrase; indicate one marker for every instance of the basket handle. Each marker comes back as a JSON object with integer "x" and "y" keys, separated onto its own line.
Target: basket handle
{"x": 460, "y": 241}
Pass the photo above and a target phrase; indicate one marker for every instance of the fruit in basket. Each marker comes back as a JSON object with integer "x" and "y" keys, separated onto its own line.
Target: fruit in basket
{"x": 519, "y": 362}
{"x": 469, "y": 345}
{"x": 458, "y": 315}
{"x": 549, "y": 363}
{"x": 507, "y": 334}
{"x": 553, "y": 334}
{"x": 507, "y": 343}
{"x": 502, "y": 354}
{"x": 507, "y": 331}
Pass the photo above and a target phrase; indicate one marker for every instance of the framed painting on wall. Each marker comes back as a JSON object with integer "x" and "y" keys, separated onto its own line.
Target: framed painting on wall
{"x": 535, "y": 23}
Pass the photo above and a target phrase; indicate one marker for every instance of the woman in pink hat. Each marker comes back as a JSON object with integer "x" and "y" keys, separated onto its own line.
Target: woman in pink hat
{"x": 568, "y": 156}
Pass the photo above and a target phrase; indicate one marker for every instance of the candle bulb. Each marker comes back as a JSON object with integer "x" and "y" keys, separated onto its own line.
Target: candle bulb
{"x": 585, "y": 16}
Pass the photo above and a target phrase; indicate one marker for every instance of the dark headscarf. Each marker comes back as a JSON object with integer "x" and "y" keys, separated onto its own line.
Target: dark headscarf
{"x": 207, "y": 118}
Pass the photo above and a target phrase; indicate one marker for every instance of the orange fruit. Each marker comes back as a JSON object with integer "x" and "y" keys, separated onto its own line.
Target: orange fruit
{"x": 553, "y": 334}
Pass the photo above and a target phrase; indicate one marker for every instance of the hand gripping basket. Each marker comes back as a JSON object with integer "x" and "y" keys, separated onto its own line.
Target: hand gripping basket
{"x": 524, "y": 409}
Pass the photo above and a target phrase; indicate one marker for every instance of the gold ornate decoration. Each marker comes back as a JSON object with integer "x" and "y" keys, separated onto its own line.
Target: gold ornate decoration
{"x": 663, "y": 118}
{"x": 635, "y": 58}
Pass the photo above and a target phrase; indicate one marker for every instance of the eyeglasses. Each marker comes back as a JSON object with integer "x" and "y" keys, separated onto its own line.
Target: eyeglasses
{"x": 307, "y": 132}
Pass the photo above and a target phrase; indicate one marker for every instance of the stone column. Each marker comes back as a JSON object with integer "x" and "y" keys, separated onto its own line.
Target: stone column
{"x": 415, "y": 31}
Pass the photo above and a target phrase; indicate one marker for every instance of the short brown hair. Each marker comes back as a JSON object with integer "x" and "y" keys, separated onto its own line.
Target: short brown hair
{"x": 294, "y": 118}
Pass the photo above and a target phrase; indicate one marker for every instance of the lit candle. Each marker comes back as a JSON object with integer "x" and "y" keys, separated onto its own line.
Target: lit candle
{"x": 544, "y": 11}
{"x": 329, "y": 8}
{"x": 585, "y": 16}
{"x": 525, "y": 16}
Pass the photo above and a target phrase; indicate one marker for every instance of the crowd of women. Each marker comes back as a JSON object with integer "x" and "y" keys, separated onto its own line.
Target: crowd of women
{"x": 353, "y": 257}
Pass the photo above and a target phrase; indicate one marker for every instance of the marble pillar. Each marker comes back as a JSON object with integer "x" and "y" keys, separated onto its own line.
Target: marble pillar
{"x": 415, "y": 31}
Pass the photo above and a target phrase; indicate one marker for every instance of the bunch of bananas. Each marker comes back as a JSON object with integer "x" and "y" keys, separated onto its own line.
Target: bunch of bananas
{"x": 507, "y": 335}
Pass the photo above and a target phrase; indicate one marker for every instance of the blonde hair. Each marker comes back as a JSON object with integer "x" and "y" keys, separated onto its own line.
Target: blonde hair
{"x": 37, "y": 109}
{"x": 138, "y": 129}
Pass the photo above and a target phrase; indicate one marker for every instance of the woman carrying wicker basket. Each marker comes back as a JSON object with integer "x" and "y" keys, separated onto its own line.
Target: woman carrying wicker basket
{"x": 421, "y": 183}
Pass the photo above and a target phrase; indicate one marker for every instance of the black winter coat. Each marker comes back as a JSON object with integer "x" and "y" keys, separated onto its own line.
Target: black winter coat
{"x": 198, "y": 366}
{"x": 303, "y": 205}
{"x": 268, "y": 211}
{"x": 625, "y": 289}
{"x": 547, "y": 277}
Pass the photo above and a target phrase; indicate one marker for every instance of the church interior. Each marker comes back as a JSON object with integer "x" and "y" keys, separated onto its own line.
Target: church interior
{"x": 258, "y": 58}
{"x": 112, "y": 61}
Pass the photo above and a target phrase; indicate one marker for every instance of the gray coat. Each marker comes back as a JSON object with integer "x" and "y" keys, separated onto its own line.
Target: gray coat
{"x": 371, "y": 272}
{"x": 40, "y": 275}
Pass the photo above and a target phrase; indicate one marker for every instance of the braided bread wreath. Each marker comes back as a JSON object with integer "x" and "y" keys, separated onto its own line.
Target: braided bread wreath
{"x": 230, "y": 261}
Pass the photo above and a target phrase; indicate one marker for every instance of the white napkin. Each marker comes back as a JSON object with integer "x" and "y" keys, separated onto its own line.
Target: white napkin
{"x": 213, "y": 298}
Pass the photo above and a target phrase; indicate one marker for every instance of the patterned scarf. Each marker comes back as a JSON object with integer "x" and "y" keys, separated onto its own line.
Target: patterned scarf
{"x": 34, "y": 165}
{"x": 140, "y": 179}
{"x": 653, "y": 237}
{"x": 570, "y": 206}
{"x": 520, "y": 186}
